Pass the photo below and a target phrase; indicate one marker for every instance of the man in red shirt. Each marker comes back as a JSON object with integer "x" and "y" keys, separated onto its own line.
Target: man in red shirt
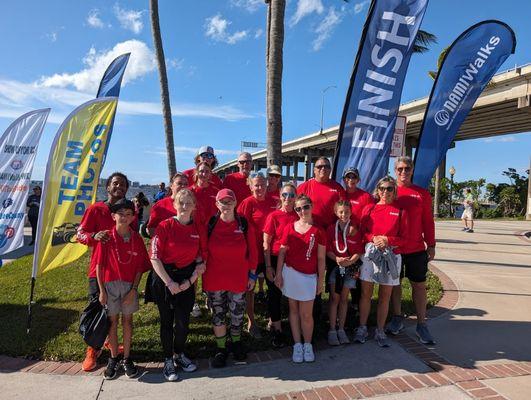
{"x": 324, "y": 192}
{"x": 418, "y": 250}
{"x": 274, "y": 177}
{"x": 95, "y": 226}
{"x": 237, "y": 182}
{"x": 204, "y": 154}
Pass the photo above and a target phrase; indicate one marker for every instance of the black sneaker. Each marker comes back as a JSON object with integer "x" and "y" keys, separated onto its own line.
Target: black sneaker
{"x": 278, "y": 340}
{"x": 131, "y": 371}
{"x": 111, "y": 372}
{"x": 220, "y": 359}
{"x": 238, "y": 351}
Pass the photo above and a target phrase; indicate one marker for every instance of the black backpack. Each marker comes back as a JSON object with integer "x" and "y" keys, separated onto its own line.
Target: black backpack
{"x": 94, "y": 324}
{"x": 242, "y": 223}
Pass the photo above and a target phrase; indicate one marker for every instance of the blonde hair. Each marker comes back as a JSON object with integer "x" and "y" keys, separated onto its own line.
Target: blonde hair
{"x": 385, "y": 179}
{"x": 185, "y": 192}
{"x": 404, "y": 159}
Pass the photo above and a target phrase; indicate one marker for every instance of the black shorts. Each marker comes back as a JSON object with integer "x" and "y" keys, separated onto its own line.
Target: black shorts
{"x": 415, "y": 266}
{"x": 93, "y": 289}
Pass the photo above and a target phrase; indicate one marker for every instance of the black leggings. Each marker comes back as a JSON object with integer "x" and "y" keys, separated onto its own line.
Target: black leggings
{"x": 33, "y": 222}
{"x": 274, "y": 296}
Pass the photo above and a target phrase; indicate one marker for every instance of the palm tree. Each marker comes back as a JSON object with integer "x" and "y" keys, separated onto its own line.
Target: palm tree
{"x": 274, "y": 64}
{"x": 164, "y": 91}
{"x": 423, "y": 40}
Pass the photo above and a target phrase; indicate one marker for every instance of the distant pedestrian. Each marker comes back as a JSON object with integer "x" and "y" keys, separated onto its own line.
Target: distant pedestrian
{"x": 141, "y": 202}
{"x": 161, "y": 193}
{"x": 468, "y": 212}
{"x": 33, "y": 205}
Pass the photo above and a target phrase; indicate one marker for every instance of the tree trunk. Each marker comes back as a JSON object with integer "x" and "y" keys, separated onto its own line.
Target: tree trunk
{"x": 164, "y": 91}
{"x": 274, "y": 65}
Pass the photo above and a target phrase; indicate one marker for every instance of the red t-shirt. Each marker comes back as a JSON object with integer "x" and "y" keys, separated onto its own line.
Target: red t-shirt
{"x": 214, "y": 179}
{"x": 231, "y": 255}
{"x": 97, "y": 218}
{"x": 237, "y": 182}
{"x": 161, "y": 210}
{"x": 256, "y": 212}
{"x": 206, "y": 202}
{"x": 121, "y": 261}
{"x": 355, "y": 244}
{"x": 387, "y": 220}
{"x": 421, "y": 226}
{"x": 324, "y": 196}
{"x": 274, "y": 196}
{"x": 275, "y": 224}
{"x": 178, "y": 244}
{"x": 301, "y": 254}
{"x": 358, "y": 200}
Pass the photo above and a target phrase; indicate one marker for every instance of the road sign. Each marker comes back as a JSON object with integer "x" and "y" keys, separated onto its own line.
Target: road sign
{"x": 399, "y": 137}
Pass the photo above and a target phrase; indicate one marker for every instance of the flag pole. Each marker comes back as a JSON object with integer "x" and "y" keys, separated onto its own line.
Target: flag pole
{"x": 32, "y": 291}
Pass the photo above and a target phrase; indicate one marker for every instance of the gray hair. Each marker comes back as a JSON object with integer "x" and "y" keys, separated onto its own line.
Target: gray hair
{"x": 404, "y": 159}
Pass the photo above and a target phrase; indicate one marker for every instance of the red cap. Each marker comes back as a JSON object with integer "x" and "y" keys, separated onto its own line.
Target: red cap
{"x": 225, "y": 194}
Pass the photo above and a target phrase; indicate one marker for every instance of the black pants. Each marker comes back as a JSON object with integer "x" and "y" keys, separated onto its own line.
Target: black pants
{"x": 33, "y": 222}
{"x": 174, "y": 311}
{"x": 274, "y": 296}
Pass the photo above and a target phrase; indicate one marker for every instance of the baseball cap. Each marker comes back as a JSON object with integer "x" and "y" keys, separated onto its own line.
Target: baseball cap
{"x": 351, "y": 170}
{"x": 274, "y": 170}
{"x": 205, "y": 149}
{"x": 225, "y": 194}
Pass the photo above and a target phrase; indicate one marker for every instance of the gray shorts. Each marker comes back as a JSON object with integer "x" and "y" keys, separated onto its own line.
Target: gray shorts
{"x": 348, "y": 281}
{"x": 116, "y": 291}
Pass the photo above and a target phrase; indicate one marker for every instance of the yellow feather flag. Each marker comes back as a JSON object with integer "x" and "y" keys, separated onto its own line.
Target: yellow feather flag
{"x": 71, "y": 182}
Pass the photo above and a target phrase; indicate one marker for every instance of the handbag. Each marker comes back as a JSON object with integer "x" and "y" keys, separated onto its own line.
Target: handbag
{"x": 94, "y": 324}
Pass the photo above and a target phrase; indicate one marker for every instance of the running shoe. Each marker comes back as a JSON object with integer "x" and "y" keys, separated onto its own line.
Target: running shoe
{"x": 278, "y": 340}
{"x": 196, "y": 311}
{"x": 333, "y": 339}
{"x": 381, "y": 338}
{"x": 298, "y": 353}
{"x": 342, "y": 336}
{"x": 111, "y": 372}
{"x": 361, "y": 334}
{"x": 424, "y": 334}
{"x": 465, "y": 229}
{"x": 131, "y": 371}
{"x": 395, "y": 325}
{"x": 184, "y": 363}
{"x": 308, "y": 354}
{"x": 238, "y": 351}
{"x": 470, "y": 231}
{"x": 220, "y": 359}
{"x": 91, "y": 359}
{"x": 169, "y": 370}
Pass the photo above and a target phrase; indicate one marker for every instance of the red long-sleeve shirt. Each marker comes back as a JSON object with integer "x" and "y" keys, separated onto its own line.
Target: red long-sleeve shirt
{"x": 214, "y": 179}
{"x": 231, "y": 255}
{"x": 416, "y": 201}
{"x": 237, "y": 182}
{"x": 301, "y": 254}
{"x": 358, "y": 200}
{"x": 275, "y": 224}
{"x": 385, "y": 220}
{"x": 256, "y": 212}
{"x": 161, "y": 210}
{"x": 178, "y": 244}
{"x": 324, "y": 196}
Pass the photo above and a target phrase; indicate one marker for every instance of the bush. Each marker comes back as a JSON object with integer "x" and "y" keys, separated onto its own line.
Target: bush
{"x": 492, "y": 213}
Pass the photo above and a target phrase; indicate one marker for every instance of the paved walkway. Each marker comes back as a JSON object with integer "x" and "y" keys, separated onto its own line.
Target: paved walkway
{"x": 483, "y": 347}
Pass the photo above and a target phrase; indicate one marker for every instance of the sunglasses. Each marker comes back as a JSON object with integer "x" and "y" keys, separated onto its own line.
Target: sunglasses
{"x": 288, "y": 195}
{"x": 304, "y": 207}
{"x": 389, "y": 189}
{"x": 322, "y": 166}
{"x": 351, "y": 177}
{"x": 403, "y": 169}
{"x": 209, "y": 156}
{"x": 253, "y": 175}
{"x": 241, "y": 162}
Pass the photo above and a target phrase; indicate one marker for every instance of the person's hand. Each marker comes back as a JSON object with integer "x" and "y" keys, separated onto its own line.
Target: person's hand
{"x": 173, "y": 287}
{"x": 343, "y": 261}
{"x": 381, "y": 242}
{"x": 102, "y": 236}
{"x": 270, "y": 274}
{"x": 129, "y": 298}
{"x": 200, "y": 268}
{"x": 103, "y": 298}
{"x": 250, "y": 284}
{"x": 431, "y": 253}
{"x": 185, "y": 285}
{"x": 279, "y": 281}
{"x": 320, "y": 284}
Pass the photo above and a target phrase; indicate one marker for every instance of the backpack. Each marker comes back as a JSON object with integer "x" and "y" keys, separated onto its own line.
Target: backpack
{"x": 242, "y": 223}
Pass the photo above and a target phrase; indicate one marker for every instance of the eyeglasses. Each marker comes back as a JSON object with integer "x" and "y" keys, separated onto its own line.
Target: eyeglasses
{"x": 241, "y": 162}
{"x": 258, "y": 174}
{"x": 386, "y": 189}
{"x": 322, "y": 166}
{"x": 351, "y": 177}
{"x": 403, "y": 169}
{"x": 304, "y": 207}
{"x": 288, "y": 195}
{"x": 209, "y": 156}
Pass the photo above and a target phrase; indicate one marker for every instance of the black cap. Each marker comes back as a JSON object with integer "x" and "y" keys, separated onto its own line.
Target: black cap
{"x": 122, "y": 204}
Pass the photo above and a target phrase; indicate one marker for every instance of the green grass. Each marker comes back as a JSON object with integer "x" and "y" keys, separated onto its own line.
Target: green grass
{"x": 60, "y": 295}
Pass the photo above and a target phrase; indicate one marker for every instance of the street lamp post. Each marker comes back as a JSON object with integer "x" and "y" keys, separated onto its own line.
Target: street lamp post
{"x": 322, "y": 105}
{"x": 452, "y": 173}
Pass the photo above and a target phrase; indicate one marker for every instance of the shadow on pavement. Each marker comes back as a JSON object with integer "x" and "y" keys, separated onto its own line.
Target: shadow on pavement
{"x": 486, "y": 263}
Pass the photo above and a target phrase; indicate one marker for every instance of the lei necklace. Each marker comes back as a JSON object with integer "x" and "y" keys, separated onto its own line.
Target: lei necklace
{"x": 344, "y": 250}
{"x": 130, "y": 252}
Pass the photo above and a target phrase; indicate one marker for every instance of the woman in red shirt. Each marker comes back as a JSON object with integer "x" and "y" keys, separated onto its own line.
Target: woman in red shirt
{"x": 255, "y": 209}
{"x": 275, "y": 224}
{"x": 205, "y": 193}
{"x": 231, "y": 268}
{"x": 383, "y": 228}
{"x": 177, "y": 253}
{"x": 300, "y": 275}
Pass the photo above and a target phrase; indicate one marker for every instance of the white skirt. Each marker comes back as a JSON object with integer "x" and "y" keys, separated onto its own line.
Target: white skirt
{"x": 368, "y": 272}
{"x": 298, "y": 286}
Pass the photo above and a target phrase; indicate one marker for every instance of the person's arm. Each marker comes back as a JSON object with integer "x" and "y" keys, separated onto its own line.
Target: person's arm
{"x": 428, "y": 226}
{"x": 270, "y": 269}
{"x": 252, "y": 255}
{"x": 279, "y": 281}
{"x": 87, "y": 232}
{"x": 321, "y": 265}
{"x": 99, "y": 274}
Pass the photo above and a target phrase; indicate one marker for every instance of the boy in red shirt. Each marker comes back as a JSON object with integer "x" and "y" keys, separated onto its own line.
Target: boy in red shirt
{"x": 120, "y": 263}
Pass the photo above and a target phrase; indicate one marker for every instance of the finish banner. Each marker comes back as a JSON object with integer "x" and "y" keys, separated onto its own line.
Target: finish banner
{"x": 71, "y": 182}
{"x": 18, "y": 148}
{"x": 469, "y": 64}
{"x": 373, "y": 98}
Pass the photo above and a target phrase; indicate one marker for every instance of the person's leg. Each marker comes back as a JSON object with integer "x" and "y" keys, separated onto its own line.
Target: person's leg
{"x": 274, "y": 302}
{"x": 365, "y": 301}
{"x": 250, "y": 310}
{"x": 166, "y": 317}
{"x": 306, "y": 319}
{"x": 333, "y": 303}
{"x": 182, "y": 309}
{"x": 384, "y": 295}
{"x": 127, "y": 327}
{"x": 33, "y": 223}
{"x": 113, "y": 335}
{"x": 237, "y": 311}
{"x": 343, "y": 308}
{"x": 471, "y": 222}
{"x": 420, "y": 299}
{"x": 219, "y": 301}
{"x": 294, "y": 320}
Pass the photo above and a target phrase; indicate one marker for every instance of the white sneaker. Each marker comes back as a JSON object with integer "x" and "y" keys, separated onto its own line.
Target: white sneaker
{"x": 342, "y": 336}
{"x": 196, "y": 311}
{"x": 332, "y": 338}
{"x": 308, "y": 353}
{"x": 298, "y": 353}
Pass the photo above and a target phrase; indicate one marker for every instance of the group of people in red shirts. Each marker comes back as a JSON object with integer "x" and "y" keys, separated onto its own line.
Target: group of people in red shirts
{"x": 231, "y": 233}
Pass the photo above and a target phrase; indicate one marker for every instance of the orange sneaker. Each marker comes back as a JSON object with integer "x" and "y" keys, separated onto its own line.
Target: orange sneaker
{"x": 91, "y": 359}
{"x": 107, "y": 345}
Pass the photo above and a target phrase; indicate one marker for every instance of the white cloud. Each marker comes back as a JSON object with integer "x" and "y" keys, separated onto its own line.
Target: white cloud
{"x": 52, "y": 36}
{"x": 258, "y": 33}
{"x": 305, "y": 8}
{"x": 129, "y": 19}
{"x": 93, "y": 19}
{"x": 175, "y": 63}
{"x": 358, "y": 7}
{"x": 249, "y": 5}
{"x": 141, "y": 62}
{"x": 326, "y": 27}
{"x": 502, "y": 139}
{"x": 217, "y": 29}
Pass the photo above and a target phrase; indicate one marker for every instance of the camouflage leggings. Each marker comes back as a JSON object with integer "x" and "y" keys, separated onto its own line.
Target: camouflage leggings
{"x": 223, "y": 301}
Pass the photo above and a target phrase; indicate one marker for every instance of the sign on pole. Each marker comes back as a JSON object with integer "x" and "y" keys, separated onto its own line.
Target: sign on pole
{"x": 399, "y": 137}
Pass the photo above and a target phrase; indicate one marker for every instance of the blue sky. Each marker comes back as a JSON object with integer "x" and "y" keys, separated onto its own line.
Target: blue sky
{"x": 215, "y": 53}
